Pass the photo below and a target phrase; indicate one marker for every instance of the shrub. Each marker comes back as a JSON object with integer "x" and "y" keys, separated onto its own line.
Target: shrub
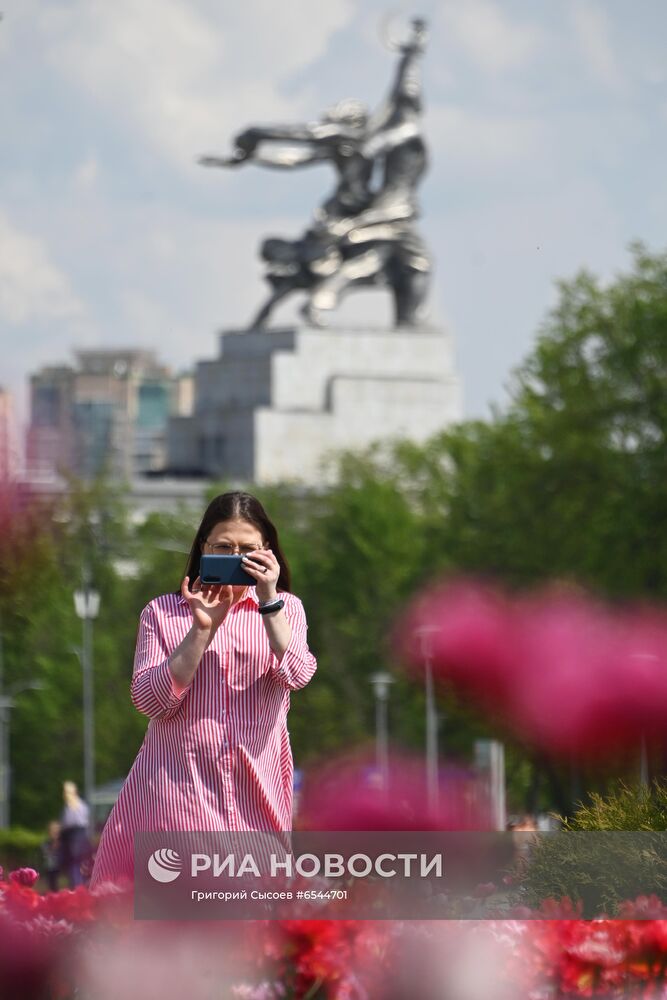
{"x": 626, "y": 808}
{"x": 20, "y": 848}
{"x": 612, "y": 849}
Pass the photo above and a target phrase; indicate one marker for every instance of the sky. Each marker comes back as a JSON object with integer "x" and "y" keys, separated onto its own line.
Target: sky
{"x": 547, "y": 128}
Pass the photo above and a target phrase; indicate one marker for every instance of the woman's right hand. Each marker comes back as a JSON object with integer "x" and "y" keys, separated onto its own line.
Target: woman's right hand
{"x": 209, "y": 603}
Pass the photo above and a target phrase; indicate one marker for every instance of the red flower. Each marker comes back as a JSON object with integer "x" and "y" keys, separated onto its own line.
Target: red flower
{"x": 76, "y": 905}
{"x": 19, "y": 900}
{"x": 330, "y": 953}
{"x": 24, "y": 876}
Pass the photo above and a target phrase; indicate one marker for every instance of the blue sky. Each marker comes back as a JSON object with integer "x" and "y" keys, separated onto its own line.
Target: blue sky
{"x": 547, "y": 125}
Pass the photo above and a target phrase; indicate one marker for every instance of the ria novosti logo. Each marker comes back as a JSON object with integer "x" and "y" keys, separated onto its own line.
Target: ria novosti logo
{"x": 165, "y": 865}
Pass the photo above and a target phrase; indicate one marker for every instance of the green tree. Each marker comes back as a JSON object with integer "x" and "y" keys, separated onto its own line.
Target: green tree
{"x": 43, "y": 551}
{"x": 570, "y": 480}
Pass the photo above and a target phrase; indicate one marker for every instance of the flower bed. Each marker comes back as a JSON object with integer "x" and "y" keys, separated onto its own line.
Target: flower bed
{"x": 74, "y": 943}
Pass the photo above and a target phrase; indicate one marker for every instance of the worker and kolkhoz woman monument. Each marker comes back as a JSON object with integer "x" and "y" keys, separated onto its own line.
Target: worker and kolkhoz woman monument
{"x": 365, "y": 233}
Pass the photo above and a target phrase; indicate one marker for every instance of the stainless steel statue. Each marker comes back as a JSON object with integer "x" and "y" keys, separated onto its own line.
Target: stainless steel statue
{"x": 365, "y": 233}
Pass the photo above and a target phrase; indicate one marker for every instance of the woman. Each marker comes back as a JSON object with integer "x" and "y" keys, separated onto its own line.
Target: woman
{"x": 75, "y": 846}
{"x": 213, "y": 670}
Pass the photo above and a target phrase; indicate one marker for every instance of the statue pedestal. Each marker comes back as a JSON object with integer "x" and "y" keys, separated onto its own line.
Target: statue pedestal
{"x": 276, "y": 402}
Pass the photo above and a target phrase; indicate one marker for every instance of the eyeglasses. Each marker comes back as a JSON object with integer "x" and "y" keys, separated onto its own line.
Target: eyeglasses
{"x": 226, "y": 549}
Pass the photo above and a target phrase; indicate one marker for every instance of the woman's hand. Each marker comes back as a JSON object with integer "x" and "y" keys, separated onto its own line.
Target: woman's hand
{"x": 265, "y": 568}
{"x": 209, "y": 603}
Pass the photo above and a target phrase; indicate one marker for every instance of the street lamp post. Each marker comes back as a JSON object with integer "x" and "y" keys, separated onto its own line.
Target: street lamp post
{"x": 87, "y": 606}
{"x": 425, "y": 634}
{"x": 381, "y": 683}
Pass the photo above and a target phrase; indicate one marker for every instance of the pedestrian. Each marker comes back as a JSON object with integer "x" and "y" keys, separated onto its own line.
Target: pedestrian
{"x": 523, "y": 830}
{"x": 75, "y": 846}
{"x": 51, "y": 855}
{"x": 213, "y": 670}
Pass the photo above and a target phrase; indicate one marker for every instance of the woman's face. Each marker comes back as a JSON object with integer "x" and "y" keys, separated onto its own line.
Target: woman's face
{"x": 228, "y": 538}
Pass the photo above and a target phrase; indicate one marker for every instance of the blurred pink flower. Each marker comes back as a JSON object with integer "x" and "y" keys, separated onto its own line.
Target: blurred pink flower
{"x": 561, "y": 909}
{"x": 638, "y": 670}
{"x": 468, "y": 630}
{"x": 563, "y": 671}
{"x": 27, "y": 962}
{"x": 643, "y": 908}
{"x": 443, "y": 960}
{"x": 346, "y": 795}
{"x": 169, "y": 960}
{"x": 588, "y": 681}
{"x": 556, "y": 697}
{"x": 24, "y": 876}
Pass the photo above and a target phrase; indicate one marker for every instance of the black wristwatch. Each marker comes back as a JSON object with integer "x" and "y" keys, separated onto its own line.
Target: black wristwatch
{"x": 267, "y": 609}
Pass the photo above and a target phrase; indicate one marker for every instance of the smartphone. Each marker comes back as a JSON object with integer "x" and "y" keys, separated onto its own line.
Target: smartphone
{"x": 225, "y": 569}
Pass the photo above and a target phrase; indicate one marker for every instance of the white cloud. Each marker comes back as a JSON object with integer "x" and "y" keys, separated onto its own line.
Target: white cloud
{"x": 593, "y": 35}
{"x": 31, "y": 286}
{"x": 187, "y": 76}
{"x": 489, "y": 37}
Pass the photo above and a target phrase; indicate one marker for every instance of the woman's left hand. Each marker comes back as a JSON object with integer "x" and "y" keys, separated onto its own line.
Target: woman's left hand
{"x": 265, "y": 568}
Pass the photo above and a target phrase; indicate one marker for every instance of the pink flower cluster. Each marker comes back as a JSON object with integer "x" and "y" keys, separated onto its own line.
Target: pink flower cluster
{"x": 33, "y": 928}
{"x": 552, "y": 954}
{"x": 564, "y": 672}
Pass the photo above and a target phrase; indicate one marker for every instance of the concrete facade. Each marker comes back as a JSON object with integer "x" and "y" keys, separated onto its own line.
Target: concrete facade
{"x": 275, "y": 403}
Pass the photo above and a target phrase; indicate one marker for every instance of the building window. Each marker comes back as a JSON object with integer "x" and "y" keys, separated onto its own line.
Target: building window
{"x": 46, "y": 406}
{"x": 153, "y": 404}
{"x": 93, "y": 426}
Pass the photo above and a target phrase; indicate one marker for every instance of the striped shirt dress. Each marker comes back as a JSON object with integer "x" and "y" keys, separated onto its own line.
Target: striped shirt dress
{"x": 217, "y": 755}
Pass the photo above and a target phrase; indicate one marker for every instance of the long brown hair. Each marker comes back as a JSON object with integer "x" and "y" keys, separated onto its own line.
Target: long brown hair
{"x": 238, "y": 506}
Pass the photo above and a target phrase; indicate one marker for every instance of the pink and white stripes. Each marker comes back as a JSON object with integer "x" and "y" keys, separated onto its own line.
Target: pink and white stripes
{"x": 216, "y": 755}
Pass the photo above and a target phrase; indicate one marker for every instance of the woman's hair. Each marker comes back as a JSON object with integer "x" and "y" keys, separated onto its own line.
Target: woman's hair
{"x": 238, "y": 506}
{"x": 70, "y": 794}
